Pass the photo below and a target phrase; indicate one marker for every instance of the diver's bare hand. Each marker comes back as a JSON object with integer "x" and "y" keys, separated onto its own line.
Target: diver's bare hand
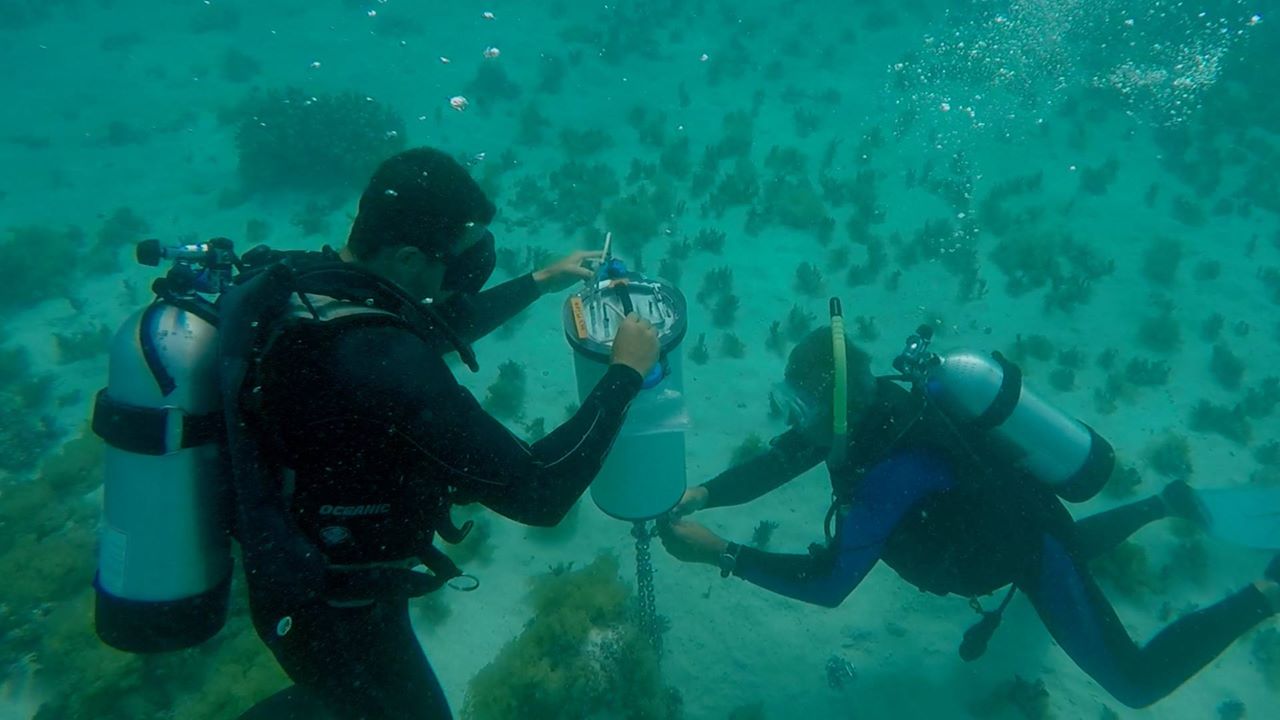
{"x": 636, "y": 344}
{"x": 693, "y": 500}
{"x": 689, "y": 541}
{"x": 566, "y": 271}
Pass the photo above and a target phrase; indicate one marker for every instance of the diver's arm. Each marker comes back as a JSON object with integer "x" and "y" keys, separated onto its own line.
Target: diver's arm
{"x": 788, "y": 456}
{"x": 827, "y": 574}
{"x": 823, "y": 577}
{"x": 399, "y": 384}
{"x": 532, "y": 484}
{"x": 474, "y": 316}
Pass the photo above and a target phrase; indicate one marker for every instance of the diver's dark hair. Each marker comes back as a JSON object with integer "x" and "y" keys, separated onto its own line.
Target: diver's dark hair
{"x": 811, "y": 367}
{"x": 421, "y": 197}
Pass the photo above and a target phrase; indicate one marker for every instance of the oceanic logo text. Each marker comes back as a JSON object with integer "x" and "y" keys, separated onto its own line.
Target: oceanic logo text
{"x": 355, "y": 510}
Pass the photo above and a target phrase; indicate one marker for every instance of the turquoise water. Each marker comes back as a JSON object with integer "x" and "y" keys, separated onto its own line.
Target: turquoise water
{"x": 1092, "y": 187}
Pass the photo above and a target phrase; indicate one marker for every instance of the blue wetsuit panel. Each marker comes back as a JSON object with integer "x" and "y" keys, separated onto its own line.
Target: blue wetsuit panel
{"x": 884, "y": 495}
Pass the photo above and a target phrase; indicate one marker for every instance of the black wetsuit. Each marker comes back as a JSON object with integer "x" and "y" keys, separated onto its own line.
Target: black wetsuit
{"x": 917, "y": 495}
{"x": 382, "y": 439}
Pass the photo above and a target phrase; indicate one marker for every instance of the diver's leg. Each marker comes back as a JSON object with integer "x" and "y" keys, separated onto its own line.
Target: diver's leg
{"x": 1099, "y": 533}
{"x": 292, "y": 703}
{"x": 405, "y": 683}
{"x": 362, "y": 662}
{"x": 1079, "y": 617}
{"x": 319, "y": 651}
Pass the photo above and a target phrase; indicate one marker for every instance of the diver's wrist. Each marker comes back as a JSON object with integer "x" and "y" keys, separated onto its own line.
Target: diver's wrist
{"x": 727, "y": 558}
{"x": 701, "y": 497}
{"x": 1271, "y": 592}
{"x": 540, "y": 280}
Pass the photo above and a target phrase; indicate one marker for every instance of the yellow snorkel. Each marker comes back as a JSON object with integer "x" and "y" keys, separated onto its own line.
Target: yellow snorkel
{"x": 839, "y": 387}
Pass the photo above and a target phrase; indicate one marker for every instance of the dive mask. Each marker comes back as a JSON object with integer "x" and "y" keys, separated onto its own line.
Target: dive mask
{"x": 800, "y": 407}
{"x": 468, "y": 271}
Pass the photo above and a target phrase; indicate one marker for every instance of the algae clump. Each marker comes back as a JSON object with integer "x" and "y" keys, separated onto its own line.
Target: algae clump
{"x": 582, "y": 655}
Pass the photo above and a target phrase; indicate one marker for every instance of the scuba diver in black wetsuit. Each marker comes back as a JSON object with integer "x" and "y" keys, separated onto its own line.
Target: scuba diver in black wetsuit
{"x": 916, "y": 488}
{"x": 310, "y": 415}
{"x": 381, "y": 440}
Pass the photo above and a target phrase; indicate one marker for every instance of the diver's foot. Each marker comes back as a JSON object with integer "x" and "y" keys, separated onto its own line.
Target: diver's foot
{"x": 1180, "y": 501}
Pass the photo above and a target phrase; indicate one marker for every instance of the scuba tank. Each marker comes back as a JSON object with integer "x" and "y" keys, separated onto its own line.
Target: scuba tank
{"x": 985, "y": 393}
{"x": 164, "y": 551}
{"x": 644, "y": 474}
{"x": 186, "y": 471}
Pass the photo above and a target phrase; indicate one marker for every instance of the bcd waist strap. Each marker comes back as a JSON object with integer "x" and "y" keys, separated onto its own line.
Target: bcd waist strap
{"x": 392, "y": 583}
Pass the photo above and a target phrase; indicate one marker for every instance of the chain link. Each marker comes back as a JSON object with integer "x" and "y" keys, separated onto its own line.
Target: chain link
{"x": 649, "y": 623}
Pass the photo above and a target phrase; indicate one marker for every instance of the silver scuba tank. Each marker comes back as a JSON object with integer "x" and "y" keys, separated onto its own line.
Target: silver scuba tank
{"x": 164, "y": 551}
{"x": 986, "y": 393}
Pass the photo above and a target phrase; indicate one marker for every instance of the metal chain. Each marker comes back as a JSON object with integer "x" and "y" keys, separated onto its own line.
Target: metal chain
{"x": 649, "y": 624}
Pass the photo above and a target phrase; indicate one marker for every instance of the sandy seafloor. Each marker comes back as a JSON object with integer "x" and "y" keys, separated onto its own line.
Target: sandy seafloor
{"x": 730, "y": 643}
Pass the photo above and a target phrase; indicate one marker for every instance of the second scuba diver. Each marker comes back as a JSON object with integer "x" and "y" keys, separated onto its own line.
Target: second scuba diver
{"x": 921, "y": 492}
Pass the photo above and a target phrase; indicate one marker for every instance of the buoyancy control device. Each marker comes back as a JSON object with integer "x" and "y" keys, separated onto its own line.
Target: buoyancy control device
{"x": 986, "y": 394}
{"x": 184, "y": 474}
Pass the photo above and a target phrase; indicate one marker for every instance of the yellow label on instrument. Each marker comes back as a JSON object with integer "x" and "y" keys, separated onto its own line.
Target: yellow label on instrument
{"x": 579, "y": 317}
